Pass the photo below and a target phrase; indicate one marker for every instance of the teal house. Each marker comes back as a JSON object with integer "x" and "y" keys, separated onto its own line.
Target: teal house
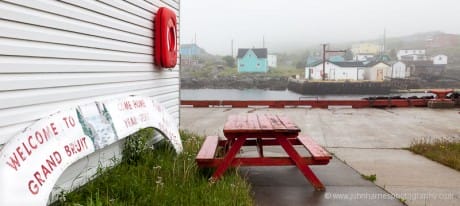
{"x": 252, "y": 60}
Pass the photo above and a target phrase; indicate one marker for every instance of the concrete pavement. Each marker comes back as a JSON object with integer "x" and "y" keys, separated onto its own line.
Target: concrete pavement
{"x": 274, "y": 186}
{"x": 414, "y": 178}
{"x": 372, "y": 141}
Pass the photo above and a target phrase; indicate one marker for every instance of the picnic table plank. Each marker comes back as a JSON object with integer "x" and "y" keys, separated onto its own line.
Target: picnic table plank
{"x": 287, "y": 122}
{"x": 243, "y": 119}
{"x": 208, "y": 149}
{"x": 264, "y": 122}
{"x": 253, "y": 122}
{"x": 276, "y": 122}
{"x": 259, "y": 123}
{"x": 316, "y": 151}
{"x": 231, "y": 122}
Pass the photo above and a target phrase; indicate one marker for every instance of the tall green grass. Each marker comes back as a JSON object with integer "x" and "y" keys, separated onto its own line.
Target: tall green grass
{"x": 161, "y": 177}
{"x": 445, "y": 151}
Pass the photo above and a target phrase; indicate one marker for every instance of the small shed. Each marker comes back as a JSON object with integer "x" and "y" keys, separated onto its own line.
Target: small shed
{"x": 272, "y": 61}
{"x": 440, "y": 59}
{"x": 376, "y": 71}
{"x": 399, "y": 70}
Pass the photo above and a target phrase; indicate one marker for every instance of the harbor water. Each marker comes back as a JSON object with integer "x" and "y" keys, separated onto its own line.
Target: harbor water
{"x": 259, "y": 94}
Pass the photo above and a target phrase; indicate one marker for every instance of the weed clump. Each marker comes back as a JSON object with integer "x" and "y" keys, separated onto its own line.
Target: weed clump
{"x": 160, "y": 176}
{"x": 372, "y": 177}
{"x": 445, "y": 150}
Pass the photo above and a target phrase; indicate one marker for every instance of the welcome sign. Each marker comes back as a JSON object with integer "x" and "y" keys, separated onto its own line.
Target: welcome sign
{"x": 32, "y": 161}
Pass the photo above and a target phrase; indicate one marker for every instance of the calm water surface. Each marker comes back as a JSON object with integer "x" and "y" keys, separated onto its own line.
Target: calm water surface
{"x": 258, "y": 94}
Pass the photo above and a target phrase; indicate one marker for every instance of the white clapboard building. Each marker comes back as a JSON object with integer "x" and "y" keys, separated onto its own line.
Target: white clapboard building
{"x": 399, "y": 70}
{"x": 59, "y": 54}
{"x": 336, "y": 71}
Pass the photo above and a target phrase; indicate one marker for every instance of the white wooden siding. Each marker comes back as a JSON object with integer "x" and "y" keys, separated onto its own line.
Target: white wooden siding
{"x": 58, "y": 54}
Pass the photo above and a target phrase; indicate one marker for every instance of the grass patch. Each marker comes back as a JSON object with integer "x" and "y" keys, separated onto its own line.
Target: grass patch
{"x": 372, "y": 177}
{"x": 445, "y": 151}
{"x": 285, "y": 71}
{"x": 161, "y": 177}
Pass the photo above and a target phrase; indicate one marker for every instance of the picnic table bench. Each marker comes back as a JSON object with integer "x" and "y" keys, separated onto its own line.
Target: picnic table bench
{"x": 261, "y": 130}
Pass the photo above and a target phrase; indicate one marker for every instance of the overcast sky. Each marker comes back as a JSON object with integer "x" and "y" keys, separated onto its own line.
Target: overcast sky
{"x": 295, "y": 24}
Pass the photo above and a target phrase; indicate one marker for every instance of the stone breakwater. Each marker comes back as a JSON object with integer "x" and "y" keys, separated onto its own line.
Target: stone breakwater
{"x": 338, "y": 87}
{"x": 310, "y": 87}
{"x": 271, "y": 83}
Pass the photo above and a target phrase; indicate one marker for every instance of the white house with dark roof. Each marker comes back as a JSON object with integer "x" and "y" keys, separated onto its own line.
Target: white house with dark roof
{"x": 350, "y": 70}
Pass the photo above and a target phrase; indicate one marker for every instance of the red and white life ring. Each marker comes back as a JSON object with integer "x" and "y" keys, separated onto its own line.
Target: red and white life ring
{"x": 165, "y": 38}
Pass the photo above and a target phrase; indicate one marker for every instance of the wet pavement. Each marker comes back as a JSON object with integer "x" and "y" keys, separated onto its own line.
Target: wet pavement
{"x": 287, "y": 186}
{"x": 364, "y": 141}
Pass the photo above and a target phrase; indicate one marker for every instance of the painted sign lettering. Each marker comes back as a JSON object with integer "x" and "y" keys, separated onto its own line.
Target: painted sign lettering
{"x": 32, "y": 161}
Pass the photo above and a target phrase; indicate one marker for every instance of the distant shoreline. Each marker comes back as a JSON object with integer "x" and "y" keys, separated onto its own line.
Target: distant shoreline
{"x": 283, "y": 83}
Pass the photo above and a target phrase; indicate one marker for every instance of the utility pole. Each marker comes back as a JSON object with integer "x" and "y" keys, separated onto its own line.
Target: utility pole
{"x": 324, "y": 58}
{"x": 263, "y": 41}
{"x": 324, "y": 61}
{"x": 231, "y": 47}
{"x": 384, "y": 40}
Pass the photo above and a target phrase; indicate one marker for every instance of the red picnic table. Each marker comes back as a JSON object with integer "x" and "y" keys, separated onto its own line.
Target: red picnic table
{"x": 261, "y": 130}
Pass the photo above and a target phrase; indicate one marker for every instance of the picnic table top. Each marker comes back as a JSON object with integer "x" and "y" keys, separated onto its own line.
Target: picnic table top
{"x": 259, "y": 123}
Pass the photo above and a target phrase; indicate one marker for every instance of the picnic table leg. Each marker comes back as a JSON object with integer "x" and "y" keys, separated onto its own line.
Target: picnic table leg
{"x": 228, "y": 145}
{"x": 301, "y": 164}
{"x": 260, "y": 147}
{"x": 229, "y": 156}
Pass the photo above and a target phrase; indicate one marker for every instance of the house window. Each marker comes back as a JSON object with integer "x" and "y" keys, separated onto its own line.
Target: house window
{"x": 440, "y": 58}
{"x": 258, "y": 65}
{"x": 241, "y": 65}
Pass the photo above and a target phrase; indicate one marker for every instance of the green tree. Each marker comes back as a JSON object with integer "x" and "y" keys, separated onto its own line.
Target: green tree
{"x": 301, "y": 64}
{"x": 229, "y": 61}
